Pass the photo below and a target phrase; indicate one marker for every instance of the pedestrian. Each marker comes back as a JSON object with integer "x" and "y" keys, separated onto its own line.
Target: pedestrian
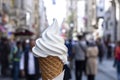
{"x": 67, "y": 74}
{"x": 79, "y": 50}
{"x": 100, "y": 49}
{"x": 5, "y": 51}
{"x": 109, "y": 50}
{"x": 69, "y": 45}
{"x": 16, "y": 60}
{"x": 29, "y": 64}
{"x": 13, "y": 50}
{"x": 91, "y": 63}
{"x": 117, "y": 59}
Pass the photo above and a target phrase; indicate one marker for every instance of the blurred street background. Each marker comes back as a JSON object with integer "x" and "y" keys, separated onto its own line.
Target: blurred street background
{"x": 22, "y": 20}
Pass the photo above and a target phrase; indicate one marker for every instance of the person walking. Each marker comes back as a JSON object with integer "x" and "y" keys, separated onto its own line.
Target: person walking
{"x": 91, "y": 63}
{"x": 16, "y": 60}
{"x": 29, "y": 64}
{"x": 100, "y": 49}
{"x": 67, "y": 74}
{"x": 117, "y": 59}
{"x": 79, "y": 50}
{"x": 5, "y": 51}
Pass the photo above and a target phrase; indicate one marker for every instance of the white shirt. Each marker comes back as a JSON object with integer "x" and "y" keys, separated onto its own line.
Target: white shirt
{"x": 31, "y": 63}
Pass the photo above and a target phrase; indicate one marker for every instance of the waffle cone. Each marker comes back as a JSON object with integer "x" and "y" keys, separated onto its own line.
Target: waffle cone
{"x": 50, "y": 67}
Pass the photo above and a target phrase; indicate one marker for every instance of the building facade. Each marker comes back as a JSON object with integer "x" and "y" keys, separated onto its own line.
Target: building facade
{"x": 43, "y": 17}
{"x": 81, "y": 16}
{"x": 71, "y": 17}
{"x": 85, "y": 19}
{"x": 118, "y": 15}
{"x": 111, "y": 20}
{"x": 91, "y": 15}
{"x": 23, "y": 13}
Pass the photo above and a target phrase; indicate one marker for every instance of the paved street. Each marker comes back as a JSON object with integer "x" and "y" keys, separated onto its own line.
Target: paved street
{"x": 107, "y": 68}
{"x": 5, "y": 79}
{"x": 100, "y": 76}
{"x": 106, "y": 71}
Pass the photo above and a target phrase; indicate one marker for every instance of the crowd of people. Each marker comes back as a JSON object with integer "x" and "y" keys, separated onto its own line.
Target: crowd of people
{"x": 17, "y": 59}
{"x": 86, "y": 53}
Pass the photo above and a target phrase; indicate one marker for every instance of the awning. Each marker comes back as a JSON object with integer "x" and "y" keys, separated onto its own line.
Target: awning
{"x": 23, "y": 32}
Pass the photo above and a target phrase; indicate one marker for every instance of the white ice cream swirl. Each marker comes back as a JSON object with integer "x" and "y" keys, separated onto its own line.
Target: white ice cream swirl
{"x": 51, "y": 44}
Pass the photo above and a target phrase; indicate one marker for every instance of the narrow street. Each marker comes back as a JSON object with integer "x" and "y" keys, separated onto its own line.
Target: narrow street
{"x": 82, "y": 30}
{"x": 100, "y": 76}
{"x": 106, "y": 71}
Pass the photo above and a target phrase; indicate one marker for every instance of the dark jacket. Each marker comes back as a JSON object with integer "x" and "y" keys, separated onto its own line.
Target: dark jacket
{"x": 26, "y": 64}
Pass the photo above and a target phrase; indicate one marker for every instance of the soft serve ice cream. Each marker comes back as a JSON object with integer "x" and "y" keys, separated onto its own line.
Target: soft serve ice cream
{"x": 51, "y": 44}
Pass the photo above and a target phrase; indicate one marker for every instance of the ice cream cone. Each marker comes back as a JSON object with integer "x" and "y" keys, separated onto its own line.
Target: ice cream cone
{"x": 50, "y": 67}
{"x": 51, "y": 52}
